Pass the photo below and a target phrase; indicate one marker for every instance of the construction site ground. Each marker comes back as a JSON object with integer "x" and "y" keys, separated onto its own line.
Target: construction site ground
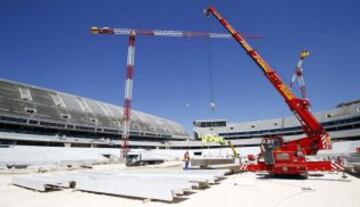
{"x": 245, "y": 189}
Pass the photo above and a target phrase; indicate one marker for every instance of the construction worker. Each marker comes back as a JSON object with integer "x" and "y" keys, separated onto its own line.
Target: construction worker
{"x": 186, "y": 160}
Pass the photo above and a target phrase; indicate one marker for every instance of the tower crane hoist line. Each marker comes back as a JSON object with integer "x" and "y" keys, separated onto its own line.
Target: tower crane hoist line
{"x": 211, "y": 76}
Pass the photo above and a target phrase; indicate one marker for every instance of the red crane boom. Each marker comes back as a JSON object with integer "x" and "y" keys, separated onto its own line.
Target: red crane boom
{"x": 317, "y": 138}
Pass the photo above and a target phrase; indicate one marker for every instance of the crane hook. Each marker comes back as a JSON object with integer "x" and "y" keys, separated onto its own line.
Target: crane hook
{"x": 212, "y": 106}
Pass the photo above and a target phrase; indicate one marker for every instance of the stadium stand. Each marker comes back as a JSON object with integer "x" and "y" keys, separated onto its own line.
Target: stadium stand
{"x": 29, "y": 110}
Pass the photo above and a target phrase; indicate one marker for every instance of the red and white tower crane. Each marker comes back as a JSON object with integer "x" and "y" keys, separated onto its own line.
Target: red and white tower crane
{"x": 131, "y": 61}
{"x": 298, "y": 74}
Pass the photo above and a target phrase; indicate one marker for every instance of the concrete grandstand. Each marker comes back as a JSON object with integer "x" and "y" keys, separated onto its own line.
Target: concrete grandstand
{"x": 30, "y": 115}
{"x": 35, "y": 116}
{"x": 342, "y": 123}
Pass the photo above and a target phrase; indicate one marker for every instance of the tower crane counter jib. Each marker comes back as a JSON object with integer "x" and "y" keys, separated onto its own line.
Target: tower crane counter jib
{"x": 285, "y": 157}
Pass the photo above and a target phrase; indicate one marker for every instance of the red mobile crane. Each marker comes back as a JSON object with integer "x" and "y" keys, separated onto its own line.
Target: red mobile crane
{"x": 131, "y": 62}
{"x": 278, "y": 157}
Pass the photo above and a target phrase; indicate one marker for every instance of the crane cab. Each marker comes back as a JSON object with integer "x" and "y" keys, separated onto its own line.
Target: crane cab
{"x": 268, "y": 146}
{"x": 279, "y": 161}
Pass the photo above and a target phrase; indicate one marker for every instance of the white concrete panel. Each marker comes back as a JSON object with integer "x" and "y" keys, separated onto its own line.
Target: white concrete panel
{"x": 31, "y": 183}
{"x": 180, "y": 182}
{"x": 158, "y": 191}
{"x": 153, "y": 185}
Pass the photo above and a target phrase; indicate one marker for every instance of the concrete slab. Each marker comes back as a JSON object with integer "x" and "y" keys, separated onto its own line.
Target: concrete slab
{"x": 148, "y": 185}
{"x": 210, "y": 176}
{"x": 144, "y": 178}
{"x": 158, "y": 191}
{"x": 210, "y": 161}
{"x": 35, "y": 183}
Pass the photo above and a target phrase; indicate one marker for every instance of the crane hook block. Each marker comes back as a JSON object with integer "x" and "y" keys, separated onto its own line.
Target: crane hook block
{"x": 206, "y": 12}
{"x": 212, "y": 106}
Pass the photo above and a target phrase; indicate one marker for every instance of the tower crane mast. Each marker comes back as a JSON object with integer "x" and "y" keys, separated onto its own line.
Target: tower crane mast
{"x": 128, "y": 93}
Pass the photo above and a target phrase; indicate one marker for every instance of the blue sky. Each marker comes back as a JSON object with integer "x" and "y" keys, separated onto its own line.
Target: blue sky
{"x": 48, "y": 44}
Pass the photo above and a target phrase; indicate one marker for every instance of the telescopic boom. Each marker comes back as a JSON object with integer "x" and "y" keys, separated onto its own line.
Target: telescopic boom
{"x": 317, "y": 138}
